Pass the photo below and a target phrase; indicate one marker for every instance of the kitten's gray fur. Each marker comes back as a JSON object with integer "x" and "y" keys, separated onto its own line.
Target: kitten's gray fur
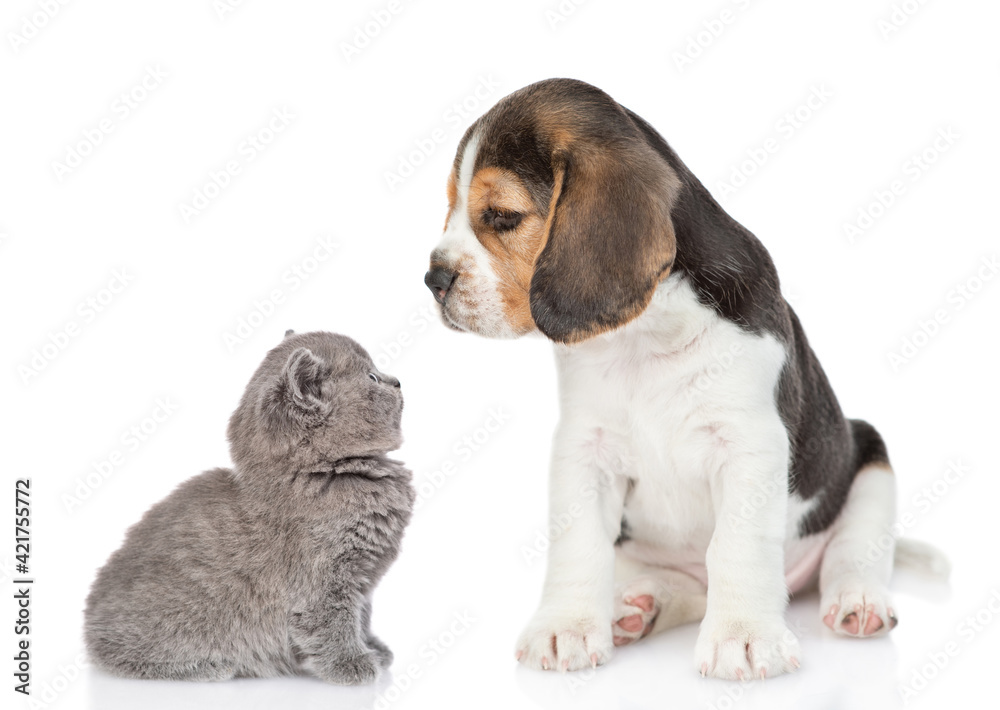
{"x": 268, "y": 569}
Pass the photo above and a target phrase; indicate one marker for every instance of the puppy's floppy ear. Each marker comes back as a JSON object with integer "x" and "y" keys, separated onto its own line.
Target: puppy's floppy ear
{"x": 298, "y": 391}
{"x": 609, "y": 237}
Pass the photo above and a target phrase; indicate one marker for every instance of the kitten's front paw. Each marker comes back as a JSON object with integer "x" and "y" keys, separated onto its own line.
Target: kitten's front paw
{"x": 565, "y": 642}
{"x": 382, "y": 651}
{"x": 736, "y": 649}
{"x": 361, "y": 669}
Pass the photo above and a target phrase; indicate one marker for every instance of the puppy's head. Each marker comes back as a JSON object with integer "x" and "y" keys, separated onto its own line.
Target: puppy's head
{"x": 558, "y": 218}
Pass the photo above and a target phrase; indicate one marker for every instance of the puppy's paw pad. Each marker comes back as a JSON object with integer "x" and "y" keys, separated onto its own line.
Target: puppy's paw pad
{"x": 564, "y": 644}
{"x": 734, "y": 651}
{"x": 634, "y": 617}
{"x": 859, "y": 611}
{"x": 637, "y": 604}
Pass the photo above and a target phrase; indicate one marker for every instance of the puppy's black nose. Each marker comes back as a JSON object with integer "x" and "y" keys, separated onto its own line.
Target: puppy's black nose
{"x": 439, "y": 280}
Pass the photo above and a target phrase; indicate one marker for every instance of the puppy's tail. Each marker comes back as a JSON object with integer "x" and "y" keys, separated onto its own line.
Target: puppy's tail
{"x": 922, "y": 557}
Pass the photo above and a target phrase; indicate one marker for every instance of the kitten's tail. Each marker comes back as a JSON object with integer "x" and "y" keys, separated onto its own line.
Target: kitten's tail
{"x": 922, "y": 557}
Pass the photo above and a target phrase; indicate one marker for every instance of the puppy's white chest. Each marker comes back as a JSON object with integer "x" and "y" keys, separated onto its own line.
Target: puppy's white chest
{"x": 670, "y": 402}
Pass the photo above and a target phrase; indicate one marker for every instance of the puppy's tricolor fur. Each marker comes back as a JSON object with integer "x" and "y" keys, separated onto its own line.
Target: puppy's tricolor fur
{"x": 691, "y": 401}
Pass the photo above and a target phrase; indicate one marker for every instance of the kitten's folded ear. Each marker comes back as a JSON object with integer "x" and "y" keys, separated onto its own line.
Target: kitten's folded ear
{"x": 299, "y": 389}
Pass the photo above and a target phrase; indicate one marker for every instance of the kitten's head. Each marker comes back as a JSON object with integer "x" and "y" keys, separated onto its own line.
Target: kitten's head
{"x": 316, "y": 398}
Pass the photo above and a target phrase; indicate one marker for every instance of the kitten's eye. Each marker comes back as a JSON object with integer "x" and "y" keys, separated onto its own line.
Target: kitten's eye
{"x": 373, "y": 377}
{"x": 502, "y": 221}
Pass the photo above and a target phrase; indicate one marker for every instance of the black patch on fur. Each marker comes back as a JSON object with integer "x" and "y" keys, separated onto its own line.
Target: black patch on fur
{"x": 729, "y": 268}
{"x": 624, "y": 533}
{"x": 732, "y": 272}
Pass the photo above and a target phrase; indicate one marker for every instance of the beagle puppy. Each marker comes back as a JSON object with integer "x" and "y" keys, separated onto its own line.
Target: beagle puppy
{"x": 701, "y": 454}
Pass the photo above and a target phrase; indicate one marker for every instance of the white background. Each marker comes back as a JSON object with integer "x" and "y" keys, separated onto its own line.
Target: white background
{"x": 890, "y": 90}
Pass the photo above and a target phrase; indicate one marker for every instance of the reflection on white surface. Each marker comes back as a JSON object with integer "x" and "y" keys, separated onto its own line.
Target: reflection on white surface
{"x": 837, "y": 674}
{"x": 110, "y": 693}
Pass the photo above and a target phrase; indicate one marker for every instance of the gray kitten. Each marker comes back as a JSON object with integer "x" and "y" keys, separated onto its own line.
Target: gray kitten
{"x": 268, "y": 569}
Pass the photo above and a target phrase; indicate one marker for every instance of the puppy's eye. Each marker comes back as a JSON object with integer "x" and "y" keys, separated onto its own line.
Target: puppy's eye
{"x": 373, "y": 377}
{"x": 500, "y": 220}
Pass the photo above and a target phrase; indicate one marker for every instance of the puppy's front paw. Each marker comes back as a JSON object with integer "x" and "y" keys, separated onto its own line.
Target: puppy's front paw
{"x": 359, "y": 669}
{"x": 565, "y": 642}
{"x": 739, "y": 650}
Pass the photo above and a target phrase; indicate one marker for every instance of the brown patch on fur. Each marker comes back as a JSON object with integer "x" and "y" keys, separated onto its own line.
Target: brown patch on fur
{"x": 610, "y": 240}
{"x": 513, "y": 252}
{"x": 553, "y": 125}
{"x": 559, "y": 171}
{"x": 452, "y": 190}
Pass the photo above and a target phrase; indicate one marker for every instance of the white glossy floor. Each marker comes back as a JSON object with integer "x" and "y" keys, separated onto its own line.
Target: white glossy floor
{"x": 474, "y": 669}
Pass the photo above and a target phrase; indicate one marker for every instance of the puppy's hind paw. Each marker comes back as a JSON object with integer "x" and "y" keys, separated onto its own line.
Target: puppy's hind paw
{"x": 634, "y": 617}
{"x": 858, "y": 610}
